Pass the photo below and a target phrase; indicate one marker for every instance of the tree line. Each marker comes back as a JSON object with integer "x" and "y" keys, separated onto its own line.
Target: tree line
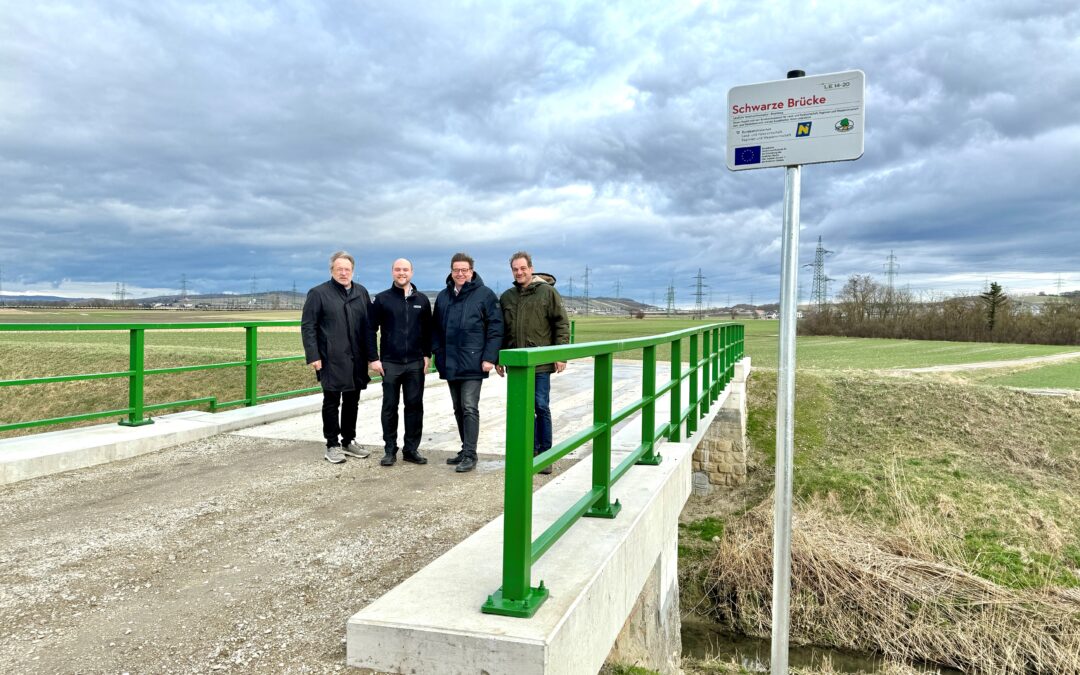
{"x": 867, "y": 308}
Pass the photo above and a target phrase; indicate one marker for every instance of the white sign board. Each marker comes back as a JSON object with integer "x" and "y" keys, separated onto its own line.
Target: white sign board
{"x": 803, "y": 120}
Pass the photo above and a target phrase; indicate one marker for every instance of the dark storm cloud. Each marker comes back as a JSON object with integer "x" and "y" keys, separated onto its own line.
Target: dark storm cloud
{"x": 143, "y": 141}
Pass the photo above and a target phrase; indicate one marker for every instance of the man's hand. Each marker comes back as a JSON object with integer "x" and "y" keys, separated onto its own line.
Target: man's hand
{"x": 377, "y": 367}
{"x": 316, "y": 365}
{"x": 488, "y": 366}
{"x": 501, "y": 370}
{"x": 427, "y": 363}
{"x": 560, "y": 366}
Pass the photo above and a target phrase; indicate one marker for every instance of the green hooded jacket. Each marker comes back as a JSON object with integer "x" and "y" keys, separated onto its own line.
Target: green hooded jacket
{"x": 534, "y": 316}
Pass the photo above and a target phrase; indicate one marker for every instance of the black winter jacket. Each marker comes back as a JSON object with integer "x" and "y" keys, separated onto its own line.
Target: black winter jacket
{"x": 468, "y": 330}
{"x": 334, "y": 328}
{"x": 405, "y": 324}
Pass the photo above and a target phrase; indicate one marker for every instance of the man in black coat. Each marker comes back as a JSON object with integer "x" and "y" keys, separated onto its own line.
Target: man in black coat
{"x": 466, "y": 340}
{"x": 337, "y": 344}
{"x": 402, "y": 314}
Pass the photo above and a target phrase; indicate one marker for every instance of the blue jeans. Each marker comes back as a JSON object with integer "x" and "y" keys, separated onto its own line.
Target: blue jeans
{"x": 466, "y": 397}
{"x": 542, "y": 426}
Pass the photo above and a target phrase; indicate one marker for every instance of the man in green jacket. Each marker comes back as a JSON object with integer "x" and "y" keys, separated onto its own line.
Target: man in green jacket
{"x": 534, "y": 316}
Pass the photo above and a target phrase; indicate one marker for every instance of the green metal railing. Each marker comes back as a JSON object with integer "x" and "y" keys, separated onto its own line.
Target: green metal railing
{"x": 136, "y": 373}
{"x": 713, "y": 351}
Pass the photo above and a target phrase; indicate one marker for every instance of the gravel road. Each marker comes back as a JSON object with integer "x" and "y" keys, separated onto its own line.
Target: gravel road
{"x": 230, "y": 554}
{"x": 983, "y": 365}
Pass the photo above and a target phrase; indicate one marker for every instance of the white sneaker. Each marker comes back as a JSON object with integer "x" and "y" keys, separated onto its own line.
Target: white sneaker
{"x": 334, "y": 455}
{"x": 355, "y": 450}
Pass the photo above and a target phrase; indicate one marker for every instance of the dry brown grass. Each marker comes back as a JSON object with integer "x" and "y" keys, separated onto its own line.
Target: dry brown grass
{"x": 722, "y": 666}
{"x": 851, "y": 590}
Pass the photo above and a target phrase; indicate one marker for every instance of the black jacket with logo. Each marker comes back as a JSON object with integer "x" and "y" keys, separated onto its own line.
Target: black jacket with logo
{"x": 405, "y": 323}
{"x": 334, "y": 329}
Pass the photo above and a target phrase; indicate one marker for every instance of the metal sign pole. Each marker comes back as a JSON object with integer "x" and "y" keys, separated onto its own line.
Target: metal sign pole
{"x": 789, "y": 123}
{"x": 785, "y": 417}
{"x": 785, "y": 423}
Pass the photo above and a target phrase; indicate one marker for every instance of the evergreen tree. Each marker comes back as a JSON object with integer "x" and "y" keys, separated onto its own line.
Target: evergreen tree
{"x": 993, "y": 299}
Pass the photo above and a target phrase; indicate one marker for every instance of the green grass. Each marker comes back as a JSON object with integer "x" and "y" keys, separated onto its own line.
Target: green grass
{"x": 1053, "y": 376}
{"x": 822, "y": 352}
{"x": 992, "y": 469}
{"x": 706, "y": 528}
{"x": 24, "y": 355}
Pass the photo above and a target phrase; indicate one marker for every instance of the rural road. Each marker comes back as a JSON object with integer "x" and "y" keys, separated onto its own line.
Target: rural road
{"x": 1033, "y": 360}
{"x": 230, "y": 554}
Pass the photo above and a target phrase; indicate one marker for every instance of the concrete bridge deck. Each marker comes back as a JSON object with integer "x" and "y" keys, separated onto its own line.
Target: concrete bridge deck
{"x": 242, "y": 551}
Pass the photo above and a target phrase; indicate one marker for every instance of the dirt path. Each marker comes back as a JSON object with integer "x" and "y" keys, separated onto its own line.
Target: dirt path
{"x": 1033, "y": 360}
{"x": 231, "y": 554}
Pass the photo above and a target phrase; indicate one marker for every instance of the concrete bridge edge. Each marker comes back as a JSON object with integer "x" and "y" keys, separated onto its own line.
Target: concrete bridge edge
{"x": 651, "y": 636}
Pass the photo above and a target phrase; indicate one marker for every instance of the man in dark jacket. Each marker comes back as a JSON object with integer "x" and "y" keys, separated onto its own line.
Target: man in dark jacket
{"x": 466, "y": 340}
{"x": 403, "y": 315}
{"x": 534, "y": 316}
{"x": 337, "y": 344}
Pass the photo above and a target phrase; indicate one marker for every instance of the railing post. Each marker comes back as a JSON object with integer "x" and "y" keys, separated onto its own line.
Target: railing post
{"x": 601, "y": 445}
{"x": 251, "y": 379}
{"x": 692, "y": 390}
{"x": 675, "y": 425}
{"x": 516, "y": 597}
{"x": 706, "y": 373}
{"x": 729, "y": 354}
{"x": 136, "y": 349}
{"x": 648, "y": 413}
{"x": 717, "y": 373}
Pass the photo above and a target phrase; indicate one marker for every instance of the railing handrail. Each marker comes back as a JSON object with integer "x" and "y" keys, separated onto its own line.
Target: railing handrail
{"x": 710, "y": 368}
{"x": 136, "y": 372}
{"x": 536, "y": 356}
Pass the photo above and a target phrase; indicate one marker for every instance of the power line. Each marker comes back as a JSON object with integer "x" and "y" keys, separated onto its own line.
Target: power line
{"x": 618, "y": 288}
{"x": 819, "y": 294}
{"x": 699, "y": 294}
{"x": 671, "y": 298}
{"x": 891, "y": 271}
{"x": 587, "y": 290}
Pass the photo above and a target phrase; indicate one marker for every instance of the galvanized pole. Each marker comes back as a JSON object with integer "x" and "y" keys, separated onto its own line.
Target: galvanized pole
{"x": 785, "y": 418}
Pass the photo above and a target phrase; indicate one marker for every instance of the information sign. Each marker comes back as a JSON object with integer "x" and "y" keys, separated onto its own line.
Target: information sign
{"x": 803, "y": 120}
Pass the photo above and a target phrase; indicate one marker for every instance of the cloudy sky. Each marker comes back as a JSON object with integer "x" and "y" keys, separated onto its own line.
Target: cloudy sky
{"x": 231, "y": 141}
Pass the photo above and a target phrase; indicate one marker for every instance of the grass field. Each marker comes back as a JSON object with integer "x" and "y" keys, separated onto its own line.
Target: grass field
{"x": 1055, "y": 376}
{"x": 24, "y": 355}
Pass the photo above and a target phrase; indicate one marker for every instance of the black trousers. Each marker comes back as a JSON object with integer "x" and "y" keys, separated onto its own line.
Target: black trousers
{"x": 349, "y": 401}
{"x": 399, "y": 377}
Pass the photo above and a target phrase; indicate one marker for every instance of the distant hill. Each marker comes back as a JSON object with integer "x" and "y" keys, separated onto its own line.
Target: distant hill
{"x": 12, "y": 299}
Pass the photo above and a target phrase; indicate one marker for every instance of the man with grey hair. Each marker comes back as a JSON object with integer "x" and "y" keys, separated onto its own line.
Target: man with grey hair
{"x": 337, "y": 344}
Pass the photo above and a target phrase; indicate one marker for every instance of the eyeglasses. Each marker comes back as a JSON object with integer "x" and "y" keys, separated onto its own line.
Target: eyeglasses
{"x": 459, "y": 272}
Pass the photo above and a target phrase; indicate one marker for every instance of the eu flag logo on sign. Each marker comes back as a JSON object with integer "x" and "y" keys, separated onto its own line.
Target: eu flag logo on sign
{"x": 750, "y": 154}
{"x": 802, "y": 129}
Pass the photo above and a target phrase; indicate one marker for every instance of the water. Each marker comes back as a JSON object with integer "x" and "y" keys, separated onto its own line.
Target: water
{"x": 704, "y": 640}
